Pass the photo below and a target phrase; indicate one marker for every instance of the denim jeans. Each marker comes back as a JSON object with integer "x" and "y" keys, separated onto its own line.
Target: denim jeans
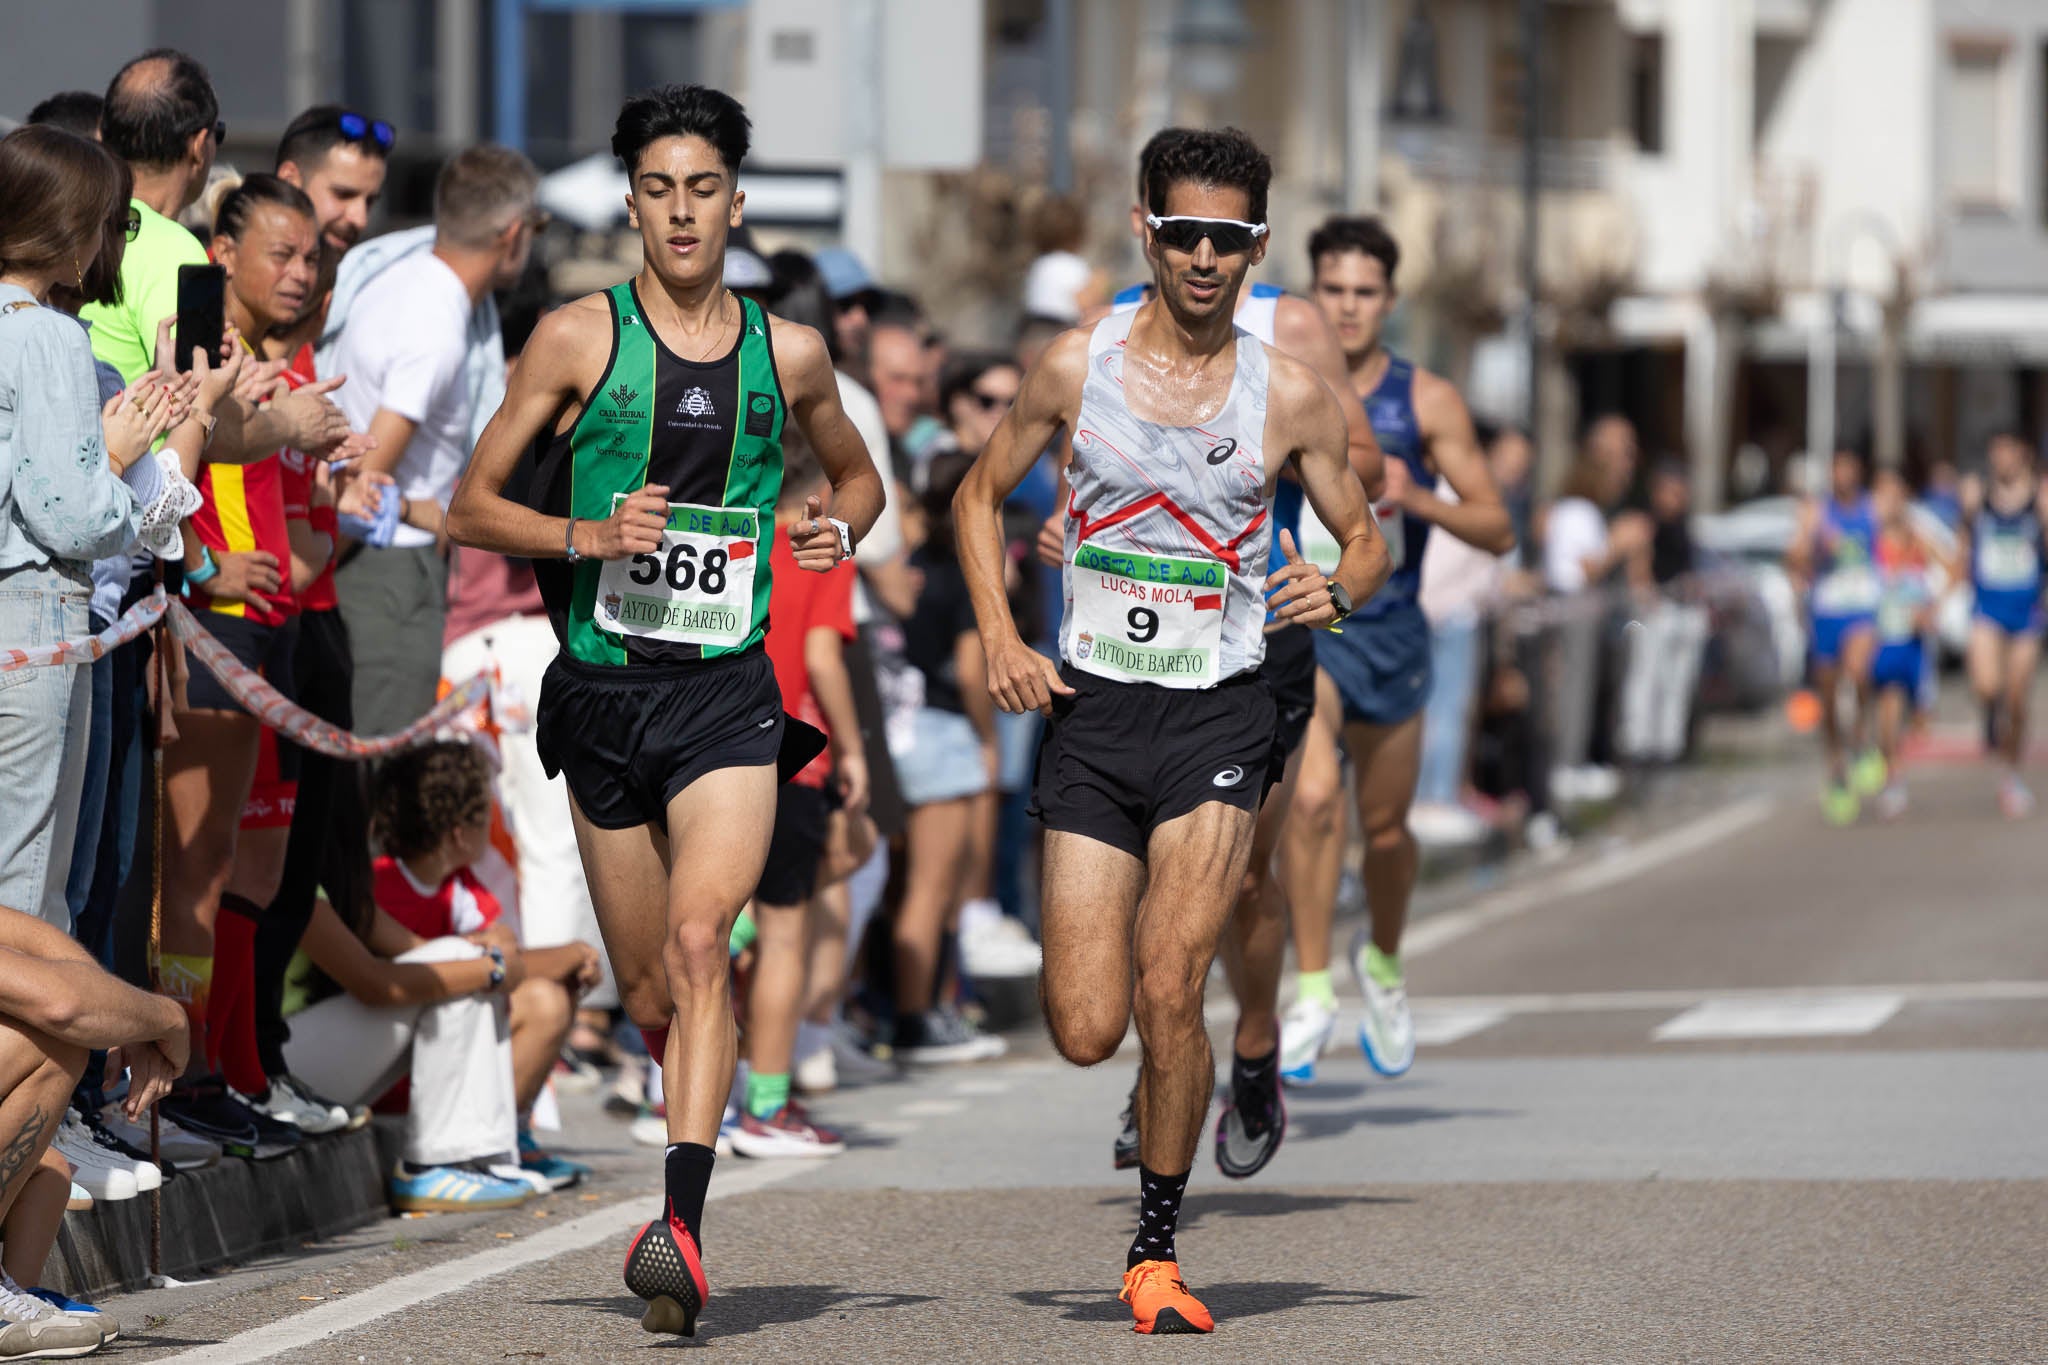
{"x": 1447, "y": 719}
{"x": 92, "y": 801}
{"x": 45, "y": 717}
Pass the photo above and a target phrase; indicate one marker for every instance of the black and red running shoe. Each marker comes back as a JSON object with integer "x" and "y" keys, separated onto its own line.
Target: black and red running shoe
{"x": 662, "y": 1267}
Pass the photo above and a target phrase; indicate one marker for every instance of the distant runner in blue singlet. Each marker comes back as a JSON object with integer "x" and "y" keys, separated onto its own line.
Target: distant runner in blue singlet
{"x": 1833, "y": 553}
{"x": 1376, "y": 672}
{"x": 2003, "y": 534}
{"x": 1905, "y": 616}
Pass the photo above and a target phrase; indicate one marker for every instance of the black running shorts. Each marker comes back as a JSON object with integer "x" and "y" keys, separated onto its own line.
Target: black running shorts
{"x": 803, "y": 817}
{"x": 259, "y": 648}
{"x": 629, "y": 738}
{"x": 1290, "y": 671}
{"x": 1119, "y": 759}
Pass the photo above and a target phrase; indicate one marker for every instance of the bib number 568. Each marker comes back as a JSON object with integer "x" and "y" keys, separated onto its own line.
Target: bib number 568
{"x": 682, "y": 569}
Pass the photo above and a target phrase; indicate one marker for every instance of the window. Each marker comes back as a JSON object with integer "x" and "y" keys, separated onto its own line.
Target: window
{"x": 1646, "y": 91}
{"x": 1976, "y": 134}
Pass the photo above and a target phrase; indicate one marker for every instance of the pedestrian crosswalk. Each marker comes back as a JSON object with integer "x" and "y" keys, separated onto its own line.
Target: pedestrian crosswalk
{"x": 1734, "y": 1015}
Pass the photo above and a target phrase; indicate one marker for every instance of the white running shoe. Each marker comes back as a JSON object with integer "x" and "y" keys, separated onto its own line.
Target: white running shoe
{"x": 816, "y": 1072}
{"x": 103, "y": 1174}
{"x": 1891, "y": 802}
{"x": 285, "y": 1104}
{"x": 1439, "y": 825}
{"x": 1385, "y": 1032}
{"x": 1305, "y": 1033}
{"x": 650, "y": 1129}
{"x": 950, "y": 1038}
{"x": 999, "y": 947}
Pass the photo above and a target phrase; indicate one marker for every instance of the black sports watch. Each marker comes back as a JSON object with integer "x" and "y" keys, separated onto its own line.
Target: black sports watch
{"x": 1339, "y": 598}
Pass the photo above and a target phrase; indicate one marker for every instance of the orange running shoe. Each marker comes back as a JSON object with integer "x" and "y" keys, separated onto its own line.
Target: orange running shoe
{"x": 1160, "y": 1301}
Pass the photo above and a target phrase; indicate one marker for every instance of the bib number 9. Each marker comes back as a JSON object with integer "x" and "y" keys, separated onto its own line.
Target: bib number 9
{"x": 1144, "y": 625}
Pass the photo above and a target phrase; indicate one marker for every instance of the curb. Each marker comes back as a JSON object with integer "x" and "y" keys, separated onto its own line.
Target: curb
{"x": 228, "y": 1213}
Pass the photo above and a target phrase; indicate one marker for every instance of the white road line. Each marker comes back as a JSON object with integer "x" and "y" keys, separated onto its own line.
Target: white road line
{"x": 931, "y": 1109}
{"x": 1787, "y": 1016}
{"x": 1439, "y": 931}
{"x": 1599, "y": 1002}
{"x": 1436, "y": 1026}
{"x": 401, "y": 1292}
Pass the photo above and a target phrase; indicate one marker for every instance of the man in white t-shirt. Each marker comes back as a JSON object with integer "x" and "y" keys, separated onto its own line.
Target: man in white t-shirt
{"x": 407, "y": 351}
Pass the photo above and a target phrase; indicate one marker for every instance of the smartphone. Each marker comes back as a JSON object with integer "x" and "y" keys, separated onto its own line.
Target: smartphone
{"x": 202, "y": 299}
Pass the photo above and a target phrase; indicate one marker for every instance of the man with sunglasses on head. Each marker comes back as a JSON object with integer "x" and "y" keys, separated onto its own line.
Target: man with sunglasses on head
{"x": 337, "y": 156}
{"x": 1253, "y": 1122}
{"x": 1159, "y": 747}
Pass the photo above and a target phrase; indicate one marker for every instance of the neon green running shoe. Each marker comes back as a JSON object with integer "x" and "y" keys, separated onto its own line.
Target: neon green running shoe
{"x": 1840, "y": 805}
{"x": 1868, "y": 773}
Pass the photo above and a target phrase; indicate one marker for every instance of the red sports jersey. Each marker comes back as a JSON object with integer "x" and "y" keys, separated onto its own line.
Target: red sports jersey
{"x": 459, "y": 905}
{"x": 242, "y": 509}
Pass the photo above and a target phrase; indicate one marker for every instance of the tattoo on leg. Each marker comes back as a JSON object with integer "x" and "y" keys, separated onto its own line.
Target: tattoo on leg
{"x": 23, "y": 1148}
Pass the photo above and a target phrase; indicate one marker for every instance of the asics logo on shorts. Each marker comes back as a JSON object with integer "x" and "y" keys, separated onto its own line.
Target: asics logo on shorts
{"x": 766, "y": 723}
{"x": 1229, "y": 777}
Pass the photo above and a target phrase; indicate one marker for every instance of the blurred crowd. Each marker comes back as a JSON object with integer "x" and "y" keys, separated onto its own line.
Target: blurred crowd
{"x": 415, "y": 935}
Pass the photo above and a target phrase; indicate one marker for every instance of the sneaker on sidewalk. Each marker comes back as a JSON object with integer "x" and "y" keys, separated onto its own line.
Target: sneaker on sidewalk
{"x": 559, "y": 1172}
{"x": 177, "y": 1148}
{"x": 999, "y": 947}
{"x": 346, "y": 1118}
{"x": 853, "y": 1062}
{"x": 947, "y": 1038}
{"x": 273, "y": 1138}
{"x": 31, "y": 1329}
{"x": 650, "y": 1127}
{"x": 454, "y": 1189}
{"x": 281, "y": 1104}
{"x": 1442, "y": 825}
{"x": 110, "y": 1329}
{"x": 203, "y": 1107}
{"x": 785, "y": 1133}
{"x": 816, "y": 1072}
{"x": 1305, "y": 1033}
{"x": 100, "y": 1173}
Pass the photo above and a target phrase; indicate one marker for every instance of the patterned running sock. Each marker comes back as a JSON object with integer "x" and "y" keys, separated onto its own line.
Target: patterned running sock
{"x": 766, "y": 1093}
{"x": 1158, "y": 1216}
{"x": 1383, "y": 968}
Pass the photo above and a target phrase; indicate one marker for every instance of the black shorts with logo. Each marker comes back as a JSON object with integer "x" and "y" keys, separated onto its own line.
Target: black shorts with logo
{"x": 1119, "y": 759}
{"x": 629, "y": 738}
{"x": 1290, "y": 670}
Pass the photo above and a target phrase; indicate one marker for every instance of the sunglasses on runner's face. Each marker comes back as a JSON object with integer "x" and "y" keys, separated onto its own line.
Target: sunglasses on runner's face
{"x": 356, "y": 128}
{"x": 1229, "y": 236}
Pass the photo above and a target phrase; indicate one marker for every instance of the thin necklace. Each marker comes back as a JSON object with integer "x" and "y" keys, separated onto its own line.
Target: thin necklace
{"x": 719, "y": 338}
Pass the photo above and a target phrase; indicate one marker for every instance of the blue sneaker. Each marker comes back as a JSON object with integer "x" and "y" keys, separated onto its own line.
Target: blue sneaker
{"x": 84, "y": 1312}
{"x": 559, "y": 1172}
{"x": 454, "y": 1189}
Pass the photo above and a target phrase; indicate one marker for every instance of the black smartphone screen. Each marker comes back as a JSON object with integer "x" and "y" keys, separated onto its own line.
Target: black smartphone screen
{"x": 202, "y": 295}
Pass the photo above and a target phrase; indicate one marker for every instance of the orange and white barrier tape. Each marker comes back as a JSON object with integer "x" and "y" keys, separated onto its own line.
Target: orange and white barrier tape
{"x": 481, "y": 708}
{"x": 93, "y": 648}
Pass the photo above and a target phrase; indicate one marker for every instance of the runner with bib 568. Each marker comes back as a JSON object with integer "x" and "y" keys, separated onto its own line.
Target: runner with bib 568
{"x": 650, "y": 418}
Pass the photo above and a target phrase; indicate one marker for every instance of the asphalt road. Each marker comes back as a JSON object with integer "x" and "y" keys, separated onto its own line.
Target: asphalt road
{"x": 1729, "y": 1086}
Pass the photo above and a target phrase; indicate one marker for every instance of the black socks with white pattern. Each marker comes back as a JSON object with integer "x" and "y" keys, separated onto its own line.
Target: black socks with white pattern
{"x": 1158, "y": 1216}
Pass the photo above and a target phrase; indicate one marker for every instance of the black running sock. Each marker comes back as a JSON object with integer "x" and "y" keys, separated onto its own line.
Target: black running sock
{"x": 1253, "y": 1078}
{"x": 688, "y": 1170}
{"x": 1158, "y": 1216}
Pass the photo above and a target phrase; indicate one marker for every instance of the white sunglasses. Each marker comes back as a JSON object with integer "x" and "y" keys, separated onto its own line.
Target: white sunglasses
{"x": 1184, "y": 232}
